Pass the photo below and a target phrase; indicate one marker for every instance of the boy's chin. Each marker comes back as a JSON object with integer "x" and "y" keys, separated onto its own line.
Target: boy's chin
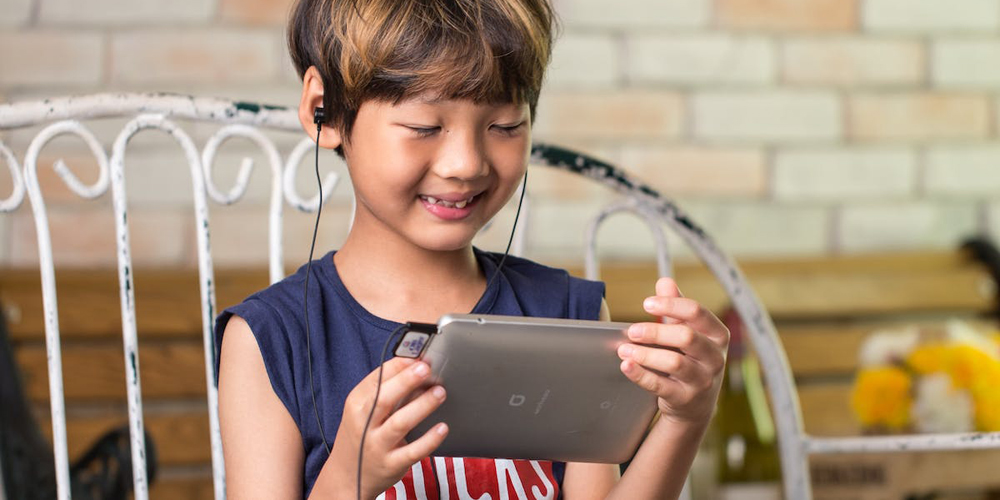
{"x": 446, "y": 241}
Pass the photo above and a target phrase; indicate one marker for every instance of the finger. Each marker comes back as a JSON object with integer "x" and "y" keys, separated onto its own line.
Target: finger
{"x": 681, "y": 337}
{"x": 667, "y": 287}
{"x": 408, "y": 416}
{"x": 656, "y": 383}
{"x": 691, "y": 312}
{"x": 420, "y": 449}
{"x": 389, "y": 369}
{"x": 395, "y": 388}
{"x": 667, "y": 362}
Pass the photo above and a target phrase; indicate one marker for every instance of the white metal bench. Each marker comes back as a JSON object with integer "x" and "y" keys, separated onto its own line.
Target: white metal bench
{"x": 235, "y": 119}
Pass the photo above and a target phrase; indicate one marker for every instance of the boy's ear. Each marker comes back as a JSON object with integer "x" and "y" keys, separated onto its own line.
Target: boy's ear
{"x": 312, "y": 98}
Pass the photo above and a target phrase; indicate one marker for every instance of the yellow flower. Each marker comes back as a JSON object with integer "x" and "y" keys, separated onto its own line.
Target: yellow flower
{"x": 985, "y": 391}
{"x": 967, "y": 364}
{"x": 881, "y": 397}
{"x": 931, "y": 358}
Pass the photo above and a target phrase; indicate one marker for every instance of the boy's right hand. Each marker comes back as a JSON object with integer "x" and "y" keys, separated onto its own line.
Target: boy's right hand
{"x": 387, "y": 455}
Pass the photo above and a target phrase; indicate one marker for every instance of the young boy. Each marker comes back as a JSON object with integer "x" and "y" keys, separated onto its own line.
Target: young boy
{"x": 431, "y": 103}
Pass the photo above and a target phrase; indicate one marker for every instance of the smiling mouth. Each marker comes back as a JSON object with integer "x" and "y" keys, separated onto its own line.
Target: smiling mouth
{"x": 448, "y": 204}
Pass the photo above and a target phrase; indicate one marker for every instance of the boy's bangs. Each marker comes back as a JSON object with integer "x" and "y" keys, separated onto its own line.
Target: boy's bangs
{"x": 481, "y": 51}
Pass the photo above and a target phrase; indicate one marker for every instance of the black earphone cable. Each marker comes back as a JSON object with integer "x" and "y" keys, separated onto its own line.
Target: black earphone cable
{"x": 305, "y": 293}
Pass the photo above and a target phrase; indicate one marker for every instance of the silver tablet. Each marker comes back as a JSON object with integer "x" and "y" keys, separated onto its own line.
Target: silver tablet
{"x": 532, "y": 388}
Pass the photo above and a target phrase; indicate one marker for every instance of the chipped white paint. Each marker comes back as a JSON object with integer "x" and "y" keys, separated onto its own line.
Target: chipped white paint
{"x": 914, "y": 442}
{"x": 631, "y": 205}
{"x": 25, "y": 114}
{"x": 53, "y": 348}
{"x": 205, "y": 272}
{"x": 17, "y": 180}
{"x": 275, "y": 260}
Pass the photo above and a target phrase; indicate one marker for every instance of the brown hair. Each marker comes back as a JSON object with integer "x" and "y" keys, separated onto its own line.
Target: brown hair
{"x": 390, "y": 50}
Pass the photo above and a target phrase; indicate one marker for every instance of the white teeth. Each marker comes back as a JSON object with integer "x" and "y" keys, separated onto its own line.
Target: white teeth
{"x": 448, "y": 204}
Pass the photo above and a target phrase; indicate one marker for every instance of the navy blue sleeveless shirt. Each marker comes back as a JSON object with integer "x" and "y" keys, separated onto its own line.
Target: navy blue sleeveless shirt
{"x": 347, "y": 340}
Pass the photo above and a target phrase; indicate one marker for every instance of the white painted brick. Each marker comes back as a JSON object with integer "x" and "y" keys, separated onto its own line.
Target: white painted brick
{"x": 634, "y": 13}
{"x": 194, "y": 56}
{"x": 914, "y": 225}
{"x": 126, "y": 12}
{"x": 15, "y": 12}
{"x": 584, "y": 60}
{"x": 699, "y": 171}
{"x": 763, "y": 229}
{"x": 963, "y": 171}
{"x": 700, "y": 59}
{"x": 931, "y": 15}
{"x": 556, "y": 232}
{"x": 919, "y": 116}
{"x": 966, "y": 63}
{"x": 853, "y": 61}
{"x": 845, "y": 174}
{"x": 767, "y": 116}
{"x": 240, "y": 235}
{"x": 50, "y": 58}
{"x": 608, "y": 115}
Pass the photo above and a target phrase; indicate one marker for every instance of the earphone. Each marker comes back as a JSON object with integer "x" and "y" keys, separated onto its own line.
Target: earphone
{"x": 319, "y": 117}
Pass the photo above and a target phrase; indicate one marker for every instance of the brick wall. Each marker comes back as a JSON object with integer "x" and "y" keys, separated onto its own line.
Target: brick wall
{"x": 784, "y": 126}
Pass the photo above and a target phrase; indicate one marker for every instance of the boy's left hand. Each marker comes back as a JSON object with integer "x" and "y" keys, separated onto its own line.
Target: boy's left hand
{"x": 680, "y": 360}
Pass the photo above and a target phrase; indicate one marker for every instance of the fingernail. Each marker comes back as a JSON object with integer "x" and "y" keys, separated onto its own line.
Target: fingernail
{"x": 625, "y": 350}
{"x": 635, "y": 332}
{"x": 438, "y": 392}
{"x": 649, "y": 303}
{"x": 421, "y": 369}
{"x": 441, "y": 428}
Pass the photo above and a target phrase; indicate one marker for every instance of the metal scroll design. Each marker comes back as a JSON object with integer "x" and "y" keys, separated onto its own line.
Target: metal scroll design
{"x": 206, "y": 273}
{"x": 275, "y": 259}
{"x": 47, "y": 270}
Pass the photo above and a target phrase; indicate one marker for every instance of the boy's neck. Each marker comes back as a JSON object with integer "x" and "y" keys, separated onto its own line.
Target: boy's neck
{"x": 396, "y": 280}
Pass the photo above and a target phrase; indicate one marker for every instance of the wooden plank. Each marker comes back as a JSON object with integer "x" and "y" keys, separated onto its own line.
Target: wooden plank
{"x": 826, "y": 409}
{"x": 167, "y": 301}
{"x": 180, "y": 437}
{"x": 187, "y": 487}
{"x": 97, "y": 371}
{"x": 836, "y": 287}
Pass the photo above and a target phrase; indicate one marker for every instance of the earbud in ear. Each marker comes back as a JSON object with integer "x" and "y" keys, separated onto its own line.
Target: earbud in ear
{"x": 319, "y": 116}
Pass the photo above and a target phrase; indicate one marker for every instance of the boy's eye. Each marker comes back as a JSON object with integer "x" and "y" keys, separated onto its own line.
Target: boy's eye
{"x": 424, "y": 131}
{"x": 508, "y": 130}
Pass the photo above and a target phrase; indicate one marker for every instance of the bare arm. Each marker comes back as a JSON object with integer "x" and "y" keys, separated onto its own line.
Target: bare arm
{"x": 260, "y": 441}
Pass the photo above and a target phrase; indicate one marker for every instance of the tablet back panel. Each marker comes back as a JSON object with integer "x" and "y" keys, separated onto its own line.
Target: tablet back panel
{"x": 535, "y": 388}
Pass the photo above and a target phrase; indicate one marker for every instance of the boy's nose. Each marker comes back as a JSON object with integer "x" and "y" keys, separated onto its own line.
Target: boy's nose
{"x": 463, "y": 158}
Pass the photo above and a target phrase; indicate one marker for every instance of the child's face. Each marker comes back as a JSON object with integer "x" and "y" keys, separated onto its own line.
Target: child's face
{"x": 434, "y": 172}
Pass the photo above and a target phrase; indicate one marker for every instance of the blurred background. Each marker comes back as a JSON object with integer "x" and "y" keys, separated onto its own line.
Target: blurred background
{"x": 787, "y": 127}
{"x": 841, "y": 150}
